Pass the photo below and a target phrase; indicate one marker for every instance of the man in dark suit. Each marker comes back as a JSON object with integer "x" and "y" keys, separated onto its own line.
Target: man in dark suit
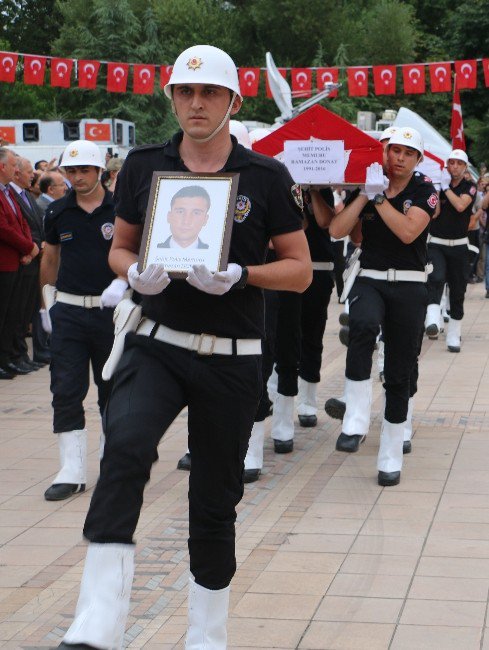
{"x": 52, "y": 187}
{"x": 189, "y": 212}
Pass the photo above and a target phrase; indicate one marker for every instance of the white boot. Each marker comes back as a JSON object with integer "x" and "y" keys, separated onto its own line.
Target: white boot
{"x": 356, "y": 421}
{"x": 432, "y": 322}
{"x": 207, "y": 618}
{"x": 272, "y": 386}
{"x": 307, "y": 404}
{"x": 283, "y": 424}
{"x": 72, "y": 457}
{"x": 453, "y": 335}
{"x": 101, "y": 446}
{"x": 254, "y": 455}
{"x": 408, "y": 428}
{"x": 380, "y": 359}
{"x": 105, "y": 591}
{"x": 389, "y": 460}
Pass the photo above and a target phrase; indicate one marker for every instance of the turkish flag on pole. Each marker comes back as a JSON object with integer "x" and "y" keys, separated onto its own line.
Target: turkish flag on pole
{"x": 485, "y": 67}
{"x": 385, "y": 79}
{"x": 414, "y": 79}
{"x": 8, "y": 65}
{"x": 117, "y": 74}
{"x": 87, "y": 74}
{"x": 440, "y": 77}
{"x": 7, "y": 133}
{"x": 165, "y": 74}
{"x": 61, "y": 72}
{"x": 466, "y": 72}
{"x": 357, "y": 82}
{"x": 34, "y": 68}
{"x": 301, "y": 82}
{"x": 325, "y": 75}
{"x": 283, "y": 72}
{"x": 97, "y": 131}
{"x": 457, "y": 126}
{"x": 249, "y": 79}
{"x": 143, "y": 79}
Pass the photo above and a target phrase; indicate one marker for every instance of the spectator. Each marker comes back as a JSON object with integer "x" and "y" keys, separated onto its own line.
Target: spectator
{"x": 113, "y": 167}
{"x": 52, "y": 186}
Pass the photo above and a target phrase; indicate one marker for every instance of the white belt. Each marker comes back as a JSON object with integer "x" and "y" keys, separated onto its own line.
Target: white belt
{"x": 394, "y": 275}
{"x": 89, "y": 302}
{"x": 202, "y": 343}
{"x": 448, "y": 242}
{"x": 322, "y": 266}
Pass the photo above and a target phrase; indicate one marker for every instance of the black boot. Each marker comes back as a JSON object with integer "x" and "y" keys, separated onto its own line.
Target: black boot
{"x": 335, "y": 408}
{"x": 389, "y": 478}
{"x": 184, "y": 462}
{"x": 350, "y": 444}
{"x": 61, "y": 491}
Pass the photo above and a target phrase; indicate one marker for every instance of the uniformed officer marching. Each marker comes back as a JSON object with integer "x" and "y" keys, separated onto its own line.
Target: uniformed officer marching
{"x": 393, "y": 215}
{"x": 79, "y": 229}
{"x": 198, "y": 345}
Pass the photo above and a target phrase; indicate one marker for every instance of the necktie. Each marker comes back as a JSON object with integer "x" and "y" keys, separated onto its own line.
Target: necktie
{"x": 25, "y": 199}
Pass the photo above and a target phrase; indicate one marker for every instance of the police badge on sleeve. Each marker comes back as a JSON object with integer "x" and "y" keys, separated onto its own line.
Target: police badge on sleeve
{"x": 297, "y": 196}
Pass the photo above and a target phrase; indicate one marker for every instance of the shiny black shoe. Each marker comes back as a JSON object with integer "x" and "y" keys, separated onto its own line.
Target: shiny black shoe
{"x": 251, "y": 475}
{"x": 6, "y": 374}
{"x": 18, "y": 368}
{"x": 344, "y": 318}
{"x": 387, "y": 479}
{"x": 432, "y": 331}
{"x": 453, "y": 348}
{"x": 184, "y": 462}
{"x": 76, "y": 646}
{"x": 344, "y": 335}
{"x": 335, "y": 408}
{"x": 407, "y": 447}
{"x": 350, "y": 444}
{"x": 61, "y": 491}
{"x": 45, "y": 359}
{"x": 308, "y": 420}
{"x": 33, "y": 364}
{"x": 283, "y": 446}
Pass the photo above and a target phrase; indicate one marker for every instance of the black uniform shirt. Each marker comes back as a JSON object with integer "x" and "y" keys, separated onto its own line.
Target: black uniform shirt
{"x": 267, "y": 205}
{"x": 381, "y": 248}
{"x": 320, "y": 244}
{"x": 451, "y": 224}
{"x": 84, "y": 240}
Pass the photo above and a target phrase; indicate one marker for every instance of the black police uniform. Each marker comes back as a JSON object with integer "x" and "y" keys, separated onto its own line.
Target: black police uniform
{"x": 399, "y": 307}
{"x": 80, "y": 334}
{"x": 155, "y": 380}
{"x": 451, "y": 262}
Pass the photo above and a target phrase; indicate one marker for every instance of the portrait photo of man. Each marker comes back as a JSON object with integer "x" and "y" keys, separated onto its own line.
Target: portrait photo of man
{"x": 188, "y": 214}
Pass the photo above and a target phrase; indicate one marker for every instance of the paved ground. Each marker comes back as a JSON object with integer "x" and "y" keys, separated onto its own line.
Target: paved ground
{"x": 327, "y": 559}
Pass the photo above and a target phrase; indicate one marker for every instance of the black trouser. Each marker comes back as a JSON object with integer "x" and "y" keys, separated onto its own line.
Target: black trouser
{"x": 288, "y": 342}
{"x": 450, "y": 264}
{"x": 28, "y": 291}
{"x": 315, "y": 301}
{"x": 153, "y": 383}
{"x": 268, "y": 357}
{"x": 400, "y": 307}
{"x": 339, "y": 265}
{"x": 79, "y": 336}
{"x": 9, "y": 316}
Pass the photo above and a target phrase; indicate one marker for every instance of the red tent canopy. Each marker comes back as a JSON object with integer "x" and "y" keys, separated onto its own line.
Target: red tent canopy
{"x": 319, "y": 123}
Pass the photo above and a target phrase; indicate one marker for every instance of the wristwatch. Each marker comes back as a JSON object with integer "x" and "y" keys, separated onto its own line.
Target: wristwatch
{"x": 241, "y": 283}
{"x": 379, "y": 199}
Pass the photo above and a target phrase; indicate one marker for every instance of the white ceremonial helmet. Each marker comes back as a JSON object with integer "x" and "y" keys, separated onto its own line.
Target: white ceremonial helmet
{"x": 258, "y": 134}
{"x": 204, "y": 64}
{"x": 82, "y": 152}
{"x": 458, "y": 154}
{"x": 388, "y": 133}
{"x": 409, "y": 137}
{"x": 240, "y": 132}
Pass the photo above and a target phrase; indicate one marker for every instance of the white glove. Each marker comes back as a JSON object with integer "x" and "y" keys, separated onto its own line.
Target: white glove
{"x": 218, "y": 283}
{"x": 151, "y": 281}
{"x": 375, "y": 181}
{"x": 113, "y": 294}
{"x": 446, "y": 179}
{"x": 46, "y": 321}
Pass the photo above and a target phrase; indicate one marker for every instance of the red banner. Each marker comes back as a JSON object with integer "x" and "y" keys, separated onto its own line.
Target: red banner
{"x": 143, "y": 79}
{"x": 249, "y": 80}
{"x": 8, "y": 65}
{"x": 414, "y": 79}
{"x": 34, "y": 68}
{"x": 466, "y": 72}
{"x": 283, "y": 72}
{"x": 97, "y": 131}
{"x": 7, "y": 133}
{"x": 301, "y": 82}
{"x": 61, "y": 72}
{"x": 117, "y": 74}
{"x": 165, "y": 74}
{"x": 87, "y": 74}
{"x": 357, "y": 82}
{"x": 325, "y": 75}
{"x": 384, "y": 79}
{"x": 440, "y": 77}
{"x": 485, "y": 67}
{"x": 457, "y": 125}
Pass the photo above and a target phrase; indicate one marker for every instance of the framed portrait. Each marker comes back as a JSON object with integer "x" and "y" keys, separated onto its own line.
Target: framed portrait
{"x": 189, "y": 220}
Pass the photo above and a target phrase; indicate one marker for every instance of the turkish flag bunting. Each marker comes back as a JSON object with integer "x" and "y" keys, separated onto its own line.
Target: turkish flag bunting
{"x": 97, "y": 131}
{"x": 143, "y": 79}
{"x": 7, "y": 133}
{"x": 34, "y": 68}
{"x": 457, "y": 125}
{"x": 117, "y": 74}
{"x": 357, "y": 82}
{"x": 440, "y": 77}
{"x": 283, "y": 72}
{"x": 323, "y": 76}
{"x": 485, "y": 67}
{"x": 61, "y": 72}
{"x": 414, "y": 79}
{"x": 249, "y": 79}
{"x": 87, "y": 74}
{"x": 466, "y": 72}
{"x": 384, "y": 79}
{"x": 165, "y": 74}
{"x": 8, "y": 65}
{"x": 301, "y": 82}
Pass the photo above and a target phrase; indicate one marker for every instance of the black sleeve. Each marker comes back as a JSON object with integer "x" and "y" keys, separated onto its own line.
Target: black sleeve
{"x": 125, "y": 196}
{"x": 425, "y": 198}
{"x": 50, "y": 229}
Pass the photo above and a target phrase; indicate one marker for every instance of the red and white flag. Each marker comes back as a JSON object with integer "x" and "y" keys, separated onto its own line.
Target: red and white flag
{"x": 87, "y": 74}
{"x": 384, "y": 79}
{"x": 414, "y": 79}
{"x": 7, "y": 133}
{"x": 301, "y": 82}
{"x": 466, "y": 72}
{"x": 283, "y": 72}
{"x": 117, "y": 74}
{"x": 61, "y": 72}
{"x": 34, "y": 68}
{"x": 440, "y": 77}
{"x": 357, "y": 82}
{"x": 8, "y": 65}
{"x": 249, "y": 80}
{"x": 165, "y": 74}
{"x": 143, "y": 79}
{"x": 324, "y": 76}
{"x": 97, "y": 131}
{"x": 457, "y": 125}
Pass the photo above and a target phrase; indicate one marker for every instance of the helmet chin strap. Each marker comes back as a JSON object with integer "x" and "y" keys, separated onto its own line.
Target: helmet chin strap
{"x": 216, "y": 130}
